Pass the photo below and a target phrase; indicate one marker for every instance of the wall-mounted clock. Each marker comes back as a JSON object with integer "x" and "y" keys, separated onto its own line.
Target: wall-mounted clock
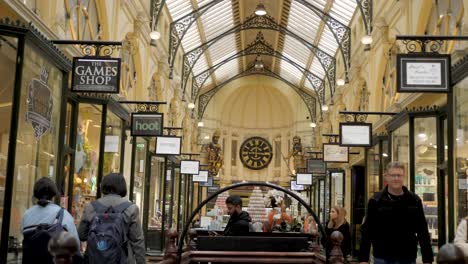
{"x": 256, "y": 153}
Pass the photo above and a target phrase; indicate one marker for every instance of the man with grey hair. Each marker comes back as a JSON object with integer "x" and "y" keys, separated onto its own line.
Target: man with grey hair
{"x": 395, "y": 223}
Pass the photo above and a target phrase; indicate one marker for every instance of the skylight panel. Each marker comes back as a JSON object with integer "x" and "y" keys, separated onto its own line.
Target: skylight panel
{"x": 179, "y": 8}
{"x": 303, "y": 21}
{"x": 317, "y": 68}
{"x": 290, "y": 72}
{"x": 343, "y": 10}
{"x": 227, "y": 71}
{"x": 296, "y": 50}
{"x": 328, "y": 42}
{"x": 318, "y": 3}
{"x": 217, "y": 19}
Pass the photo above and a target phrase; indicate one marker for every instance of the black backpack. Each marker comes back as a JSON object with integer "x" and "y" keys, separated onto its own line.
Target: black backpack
{"x": 107, "y": 238}
{"x": 36, "y": 240}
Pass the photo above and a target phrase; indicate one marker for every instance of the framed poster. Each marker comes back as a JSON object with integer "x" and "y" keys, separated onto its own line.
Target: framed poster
{"x": 296, "y": 187}
{"x": 356, "y": 134}
{"x": 96, "y": 75}
{"x": 168, "y": 145}
{"x": 423, "y": 72}
{"x": 147, "y": 124}
{"x": 304, "y": 179}
{"x": 190, "y": 167}
{"x": 202, "y": 176}
{"x": 316, "y": 166}
{"x": 333, "y": 152}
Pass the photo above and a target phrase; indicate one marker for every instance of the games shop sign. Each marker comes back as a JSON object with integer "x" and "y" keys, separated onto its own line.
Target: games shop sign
{"x": 96, "y": 75}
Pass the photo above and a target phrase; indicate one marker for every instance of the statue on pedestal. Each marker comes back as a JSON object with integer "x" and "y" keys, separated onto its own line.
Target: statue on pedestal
{"x": 297, "y": 154}
{"x": 215, "y": 157}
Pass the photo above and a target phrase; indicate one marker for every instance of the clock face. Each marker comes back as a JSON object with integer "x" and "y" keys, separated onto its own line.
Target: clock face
{"x": 256, "y": 153}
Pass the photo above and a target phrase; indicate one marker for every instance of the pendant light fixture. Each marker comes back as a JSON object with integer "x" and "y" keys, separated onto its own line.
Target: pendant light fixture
{"x": 260, "y": 10}
{"x": 259, "y": 63}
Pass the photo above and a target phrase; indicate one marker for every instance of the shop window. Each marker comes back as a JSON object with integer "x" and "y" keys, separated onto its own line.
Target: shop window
{"x": 88, "y": 141}
{"x": 154, "y": 234}
{"x": 139, "y": 173}
{"x": 400, "y": 148}
{"x": 112, "y": 144}
{"x": 461, "y": 150}
{"x": 425, "y": 165}
{"x": 38, "y": 129}
{"x": 83, "y": 19}
{"x": 373, "y": 170}
{"x": 8, "y": 48}
{"x": 337, "y": 188}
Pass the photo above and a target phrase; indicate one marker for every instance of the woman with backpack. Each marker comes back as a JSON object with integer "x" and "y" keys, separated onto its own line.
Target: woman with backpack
{"x": 43, "y": 221}
{"x": 111, "y": 226}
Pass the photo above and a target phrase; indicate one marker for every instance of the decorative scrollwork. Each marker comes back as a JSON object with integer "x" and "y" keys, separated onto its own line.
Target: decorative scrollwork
{"x": 365, "y": 7}
{"x": 98, "y": 50}
{"x": 146, "y": 108}
{"x": 423, "y": 45}
{"x": 356, "y": 117}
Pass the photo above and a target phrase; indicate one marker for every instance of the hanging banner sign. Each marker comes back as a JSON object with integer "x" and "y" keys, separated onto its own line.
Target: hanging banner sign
{"x": 202, "y": 176}
{"x": 147, "y": 124}
{"x": 96, "y": 75}
{"x": 423, "y": 72}
{"x": 296, "y": 187}
{"x": 190, "y": 167}
{"x": 40, "y": 104}
{"x": 168, "y": 145}
{"x": 333, "y": 152}
{"x": 356, "y": 134}
{"x": 315, "y": 166}
{"x": 304, "y": 179}
{"x": 208, "y": 183}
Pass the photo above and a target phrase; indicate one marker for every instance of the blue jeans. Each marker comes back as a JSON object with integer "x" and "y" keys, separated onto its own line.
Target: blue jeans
{"x": 385, "y": 261}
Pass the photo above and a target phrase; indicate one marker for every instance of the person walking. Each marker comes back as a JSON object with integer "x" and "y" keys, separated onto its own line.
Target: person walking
{"x": 395, "y": 223}
{"x": 115, "y": 215}
{"x": 239, "y": 221}
{"x": 338, "y": 222}
{"x": 43, "y": 221}
{"x": 461, "y": 237}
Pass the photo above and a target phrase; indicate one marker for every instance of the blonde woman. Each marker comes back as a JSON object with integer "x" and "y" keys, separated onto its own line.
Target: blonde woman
{"x": 338, "y": 222}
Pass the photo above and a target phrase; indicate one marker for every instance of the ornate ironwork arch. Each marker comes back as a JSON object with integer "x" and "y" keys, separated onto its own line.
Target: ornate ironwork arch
{"x": 365, "y": 6}
{"x": 258, "y": 47}
{"x": 308, "y": 99}
{"x": 180, "y": 244}
{"x": 341, "y": 32}
{"x": 266, "y": 22}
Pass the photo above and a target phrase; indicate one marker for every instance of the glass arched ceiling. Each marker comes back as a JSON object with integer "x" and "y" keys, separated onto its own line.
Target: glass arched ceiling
{"x": 292, "y": 14}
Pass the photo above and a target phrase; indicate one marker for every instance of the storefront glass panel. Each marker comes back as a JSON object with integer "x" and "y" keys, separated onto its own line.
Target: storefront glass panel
{"x": 425, "y": 181}
{"x": 38, "y": 132}
{"x": 86, "y": 157}
{"x": 337, "y": 188}
{"x": 112, "y": 144}
{"x": 139, "y": 173}
{"x": 169, "y": 202}
{"x": 400, "y": 148}
{"x": 461, "y": 150}
{"x": 153, "y": 238}
{"x": 8, "y": 47}
{"x": 373, "y": 170}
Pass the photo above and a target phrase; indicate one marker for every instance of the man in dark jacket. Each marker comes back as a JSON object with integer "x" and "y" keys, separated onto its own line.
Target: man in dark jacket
{"x": 239, "y": 221}
{"x": 395, "y": 223}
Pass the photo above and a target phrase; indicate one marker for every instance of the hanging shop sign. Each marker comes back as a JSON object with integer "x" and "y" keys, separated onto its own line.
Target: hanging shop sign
{"x": 40, "y": 104}
{"x": 316, "y": 166}
{"x": 112, "y": 144}
{"x": 296, "y": 187}
{"x": 202, "y": 176}
{"x": 208, "y": 183}
{"x": 304, "y": 178}
{"x": 147, "y": 124}
{"x": 96, "y": 75}
{"x": 190, "y": 167}
{"x": 333, "y": 152}
{"x": 356, "y": 134}
{"x": 423, "y": 72}
{"x": 168, "y": 145}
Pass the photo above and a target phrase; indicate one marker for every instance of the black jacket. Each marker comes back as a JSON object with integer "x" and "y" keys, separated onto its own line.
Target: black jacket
{"x": 345, "y": 244}
{"x": 238, "y": 224}
{"x": 394, "y": 227}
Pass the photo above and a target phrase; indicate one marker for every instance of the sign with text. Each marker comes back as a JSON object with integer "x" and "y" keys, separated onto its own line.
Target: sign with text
{"x": 315, "y": 166}
{"x": 208, "y": 183}
{"x": 166, "y": 145}
{"x": 147, "y": 124}
{"x": 427, "y": 72}
{"x": 190, "y": 167}
{"x": 304, "y": 179}
{"x": 96, "y": 75}
{"x": 356, "y": 134}
{"x": 202, "y": 176}
{"x": 333, "y": 152}
{"x": 296, "y": 187}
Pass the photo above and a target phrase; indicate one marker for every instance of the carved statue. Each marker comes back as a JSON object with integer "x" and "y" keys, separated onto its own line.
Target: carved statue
{"x": 297, "y": 154}
{"x": 215, "y": 157}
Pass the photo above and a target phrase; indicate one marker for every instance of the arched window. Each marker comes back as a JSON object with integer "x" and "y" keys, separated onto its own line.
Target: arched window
{"x": 83, "y": 19}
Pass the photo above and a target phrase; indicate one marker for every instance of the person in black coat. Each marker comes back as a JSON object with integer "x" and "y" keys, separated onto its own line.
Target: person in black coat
{"x": 395, "y": 223}
{"x": 239, "y": 221}
{"x": 338, "y": 222}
